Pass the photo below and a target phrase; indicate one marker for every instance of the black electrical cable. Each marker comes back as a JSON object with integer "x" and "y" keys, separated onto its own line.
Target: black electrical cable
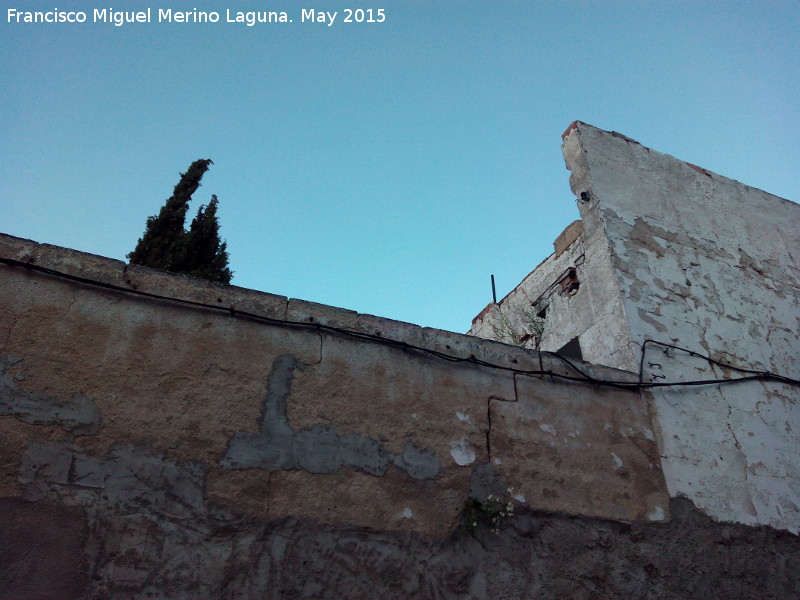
{"x": 582, "y": 376}
{"x": 751, "y": 374}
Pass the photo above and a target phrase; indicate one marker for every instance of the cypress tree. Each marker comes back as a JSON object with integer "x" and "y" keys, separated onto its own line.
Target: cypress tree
{"x": 206, "y": 255}
{"x": 166, "y": 245}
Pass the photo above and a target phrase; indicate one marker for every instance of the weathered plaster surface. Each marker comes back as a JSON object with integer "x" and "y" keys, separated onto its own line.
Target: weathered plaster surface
{"x": 593, "y": 312}
{"x": 185, "y": 440}
{"x": 674, "y": 253}
{"x": 612, "y": 432}
{"x": 711, "y": 265}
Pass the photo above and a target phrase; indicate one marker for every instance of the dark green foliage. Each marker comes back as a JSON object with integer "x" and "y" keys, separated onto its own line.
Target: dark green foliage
{"x": 198, "y": 252}
{"x": 206, "y": 256}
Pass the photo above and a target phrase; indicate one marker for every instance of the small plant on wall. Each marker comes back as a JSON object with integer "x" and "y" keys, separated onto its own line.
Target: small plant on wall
{"x": 489, "y": 513}
{"x": 530, "y": 328}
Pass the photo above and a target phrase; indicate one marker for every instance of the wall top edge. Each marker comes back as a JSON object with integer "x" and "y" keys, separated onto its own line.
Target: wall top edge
{"x": 119, "y": 277}
{"x": 576, "y": 128}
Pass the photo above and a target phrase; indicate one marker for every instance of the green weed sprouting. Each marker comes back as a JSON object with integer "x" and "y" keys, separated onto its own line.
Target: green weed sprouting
{"x": 489, "y": 513}
{"x": 531, "y": 327}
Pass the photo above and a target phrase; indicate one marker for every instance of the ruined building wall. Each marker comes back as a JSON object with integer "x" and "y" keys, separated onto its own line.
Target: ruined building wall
{"x": 571, "y": 297}
{"x": 698, "y": 256}
{"x": 695, "y": 260}
{"x": 164, "y": 433}
{"x": 711, "y": 265}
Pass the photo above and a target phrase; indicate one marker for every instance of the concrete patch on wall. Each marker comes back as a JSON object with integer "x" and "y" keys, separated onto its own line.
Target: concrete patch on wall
{"x": 461, "y": 452}
{"x": 129, "y": 477}
{"x": 78, "y": 415}
{"x": 135, "y": 526}
{"x": 317, "y": 449}
{"x": 149, "y": 528}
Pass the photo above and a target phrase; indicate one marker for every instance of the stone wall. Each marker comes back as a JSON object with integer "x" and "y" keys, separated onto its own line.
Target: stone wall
{"x": 169, "y": 423}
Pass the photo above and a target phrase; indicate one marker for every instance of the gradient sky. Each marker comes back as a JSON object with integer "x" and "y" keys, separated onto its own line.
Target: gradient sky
{"x": 386, "y": 168}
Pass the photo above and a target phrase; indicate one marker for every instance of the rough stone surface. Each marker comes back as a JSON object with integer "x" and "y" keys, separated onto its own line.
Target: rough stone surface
{"x": 41, "y": 551}
{"x": 139, "y": 553}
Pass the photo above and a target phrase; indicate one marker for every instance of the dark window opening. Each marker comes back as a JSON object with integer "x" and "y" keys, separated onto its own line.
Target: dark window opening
{"x": 542, "y": 313}
{"x": 569, "y": 283}
{"x": 572, "y": 349}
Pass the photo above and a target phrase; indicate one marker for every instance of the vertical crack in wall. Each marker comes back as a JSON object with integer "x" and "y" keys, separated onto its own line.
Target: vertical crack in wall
{"x": 71, "y": 302}
{"x": 489, "y": 415}
{"x": 321, "y": 342}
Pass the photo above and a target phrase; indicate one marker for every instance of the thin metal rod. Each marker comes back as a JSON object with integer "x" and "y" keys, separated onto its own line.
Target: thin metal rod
{"x": 494, "y": 293}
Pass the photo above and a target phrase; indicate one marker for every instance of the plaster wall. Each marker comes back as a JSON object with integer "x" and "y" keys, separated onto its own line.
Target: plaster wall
{"x": 590, "y": 312}
{"x": 180, "y": 437}
{"x": 674, "y": 253}
{"x": 511, "y": 319}
{"x": 713, "y": 266}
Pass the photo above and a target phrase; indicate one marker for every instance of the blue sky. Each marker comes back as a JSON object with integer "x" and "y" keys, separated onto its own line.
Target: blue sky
{"x": 391, "y": 167}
